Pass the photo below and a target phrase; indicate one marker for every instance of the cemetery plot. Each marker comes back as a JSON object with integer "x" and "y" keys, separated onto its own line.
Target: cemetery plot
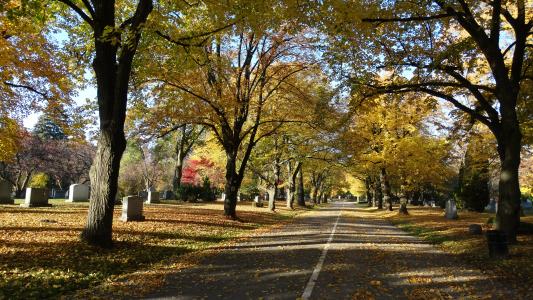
{"x": 456, "y": 236}
{"x": 41, "y": 256}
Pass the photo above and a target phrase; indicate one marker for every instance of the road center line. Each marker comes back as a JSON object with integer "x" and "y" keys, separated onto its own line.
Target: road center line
{"x": 312, "y": 281}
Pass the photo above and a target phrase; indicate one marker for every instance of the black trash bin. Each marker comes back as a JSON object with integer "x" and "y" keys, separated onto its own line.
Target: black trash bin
{"x": 497, "y": 242}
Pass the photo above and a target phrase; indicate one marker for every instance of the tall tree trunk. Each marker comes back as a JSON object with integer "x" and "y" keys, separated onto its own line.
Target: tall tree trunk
{"x": 233, "y": 183}
{"x": 301, "y": 192}
{"x": 403, "y": 201}
{"x": 104, "y": 186}
{"x": 314, "y": 195}
{"x": 368, "y": 184}
{"x": 112, "y": 69}
{"x": 509, "y": 145}
{"x": 291, "y": 185}
{"x": 272, "y": 198}
{"x": 385, "y": 186}
{"x": 378, "y": 196}
{"x": 178, "y": 174}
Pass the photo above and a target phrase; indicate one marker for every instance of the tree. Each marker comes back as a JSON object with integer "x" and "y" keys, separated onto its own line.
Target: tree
{"x": 33, "y": 76}
{"x": 48, "y": 129}
{"x": 115, "y": 46}
{"x": 394, "y": 147}
{"x": 473, "y": 54}
{"x": 474, "y": 175}
{"x": 10, "y": 135}
{"x": 241, "y": 89}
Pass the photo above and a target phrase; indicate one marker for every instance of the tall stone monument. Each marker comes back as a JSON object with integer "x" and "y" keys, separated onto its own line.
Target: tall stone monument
{"x": 5, "y": 193}
{"x": 153, "y": 197}
{"x": 78, "y": 193}
{"x": 451, "y": 210}
{"x": 36, "y": 197}
{"x": 132, "y": 209}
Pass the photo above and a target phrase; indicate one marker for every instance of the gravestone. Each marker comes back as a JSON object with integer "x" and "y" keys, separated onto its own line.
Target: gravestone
{"x": 152, "y": 197}
{"x": 132, "y": 209}
{"x": 475, "y": 229}
{"x": 526, "y": 204}
{"x": 491, "y": 207}
{"x": 223, "y": 197}
{"x": 168, "y": 195}
{"x": 5, "y": 193}
{"x": 143, "y": 195}
{"x": 78, "y": 193}
{"x": 497, "y": 243}
{"x": 36, "y": 197}
{"x": 433, "y": 204}
{"x": 451, "y": 210}
{"x": 258, "y": 202}
{"x": 239, "y": 198}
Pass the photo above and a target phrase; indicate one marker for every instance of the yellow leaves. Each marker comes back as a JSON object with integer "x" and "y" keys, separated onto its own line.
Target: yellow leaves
{"x": 111, "y": 34}
{"x": 10, "y": 135}
{"x": 45, "y": 259}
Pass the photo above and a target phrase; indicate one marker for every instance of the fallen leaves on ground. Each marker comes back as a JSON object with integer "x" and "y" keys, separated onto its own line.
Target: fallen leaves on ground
{"x": 452, "y": 236}
{"x": 41, "y": 256}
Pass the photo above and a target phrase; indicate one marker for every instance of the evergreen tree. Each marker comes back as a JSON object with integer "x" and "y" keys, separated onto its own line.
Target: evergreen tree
{"x": 48, "y": 128}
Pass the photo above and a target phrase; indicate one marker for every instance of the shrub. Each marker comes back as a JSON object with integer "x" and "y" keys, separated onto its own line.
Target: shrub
{"x": 40, "y": 180}
{"x": 188, "y": 192}
{"x": 207, "y": 192}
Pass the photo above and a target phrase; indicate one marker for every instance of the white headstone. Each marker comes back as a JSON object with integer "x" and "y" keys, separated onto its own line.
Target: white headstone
{"x": 223, "y": 196}
{"x": 451, "y": 210}
{"x": 5, "y": 193}
{"x": 78, "y": 193}
{"x": 36, "y": 197}
{"x": 153, "y": 197}
{"x": 257, "y": 199}
{"x": 132, "y": 209}
{"x": 239, "y": 197}
{"x": 491, "y": 207}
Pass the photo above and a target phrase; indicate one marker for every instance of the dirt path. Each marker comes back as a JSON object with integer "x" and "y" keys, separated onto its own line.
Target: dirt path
{"x": 332, "y": 253}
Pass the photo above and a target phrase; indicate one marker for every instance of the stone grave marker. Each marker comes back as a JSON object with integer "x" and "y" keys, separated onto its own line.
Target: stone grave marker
{"x": 491, "y": 207}
{"x": 258, "y": 202}
{"x": 475, "y": 229}
{"x": 5, "y": 193}
{"x": 36, "y": 197}
{"x": 152, "y": 197}
{"x": 451, "y": 210}
{"x": 132, "y": 209}
{"x": 526, "y": 204}
{"x": 223, "y": 197}
{"x": 78, "y": 193}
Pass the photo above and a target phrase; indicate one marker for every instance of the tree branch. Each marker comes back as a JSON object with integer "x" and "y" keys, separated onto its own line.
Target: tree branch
{"x": 79, "y": 11}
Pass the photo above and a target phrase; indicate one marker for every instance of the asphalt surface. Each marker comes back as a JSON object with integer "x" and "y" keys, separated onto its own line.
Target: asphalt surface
{"x": 332, "y": 253}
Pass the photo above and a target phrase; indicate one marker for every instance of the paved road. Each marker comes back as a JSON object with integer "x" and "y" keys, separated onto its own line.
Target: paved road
{"x": 331, "y": 253}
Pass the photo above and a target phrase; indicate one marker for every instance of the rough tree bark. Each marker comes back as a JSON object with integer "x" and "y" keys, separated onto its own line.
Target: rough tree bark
{"x": 368, "y": 184}
{"x": 378, "y": 195}
{"x": 112, "y": 69}
{"x": 385, "y": 186}
{"x": 301, "y": 192}
{"x": 291, "y": 186}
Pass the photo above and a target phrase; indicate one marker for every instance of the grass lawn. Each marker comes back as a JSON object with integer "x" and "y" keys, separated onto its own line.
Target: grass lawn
{"x": 41, "y": 256}
{"x": 452, "y": 236}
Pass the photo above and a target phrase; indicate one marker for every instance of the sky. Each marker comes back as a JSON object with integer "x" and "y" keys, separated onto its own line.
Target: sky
{"x": 90, "y": 92}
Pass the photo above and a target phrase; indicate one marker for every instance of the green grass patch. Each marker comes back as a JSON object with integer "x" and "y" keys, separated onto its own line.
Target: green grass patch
{"x": 430, "y": 235}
